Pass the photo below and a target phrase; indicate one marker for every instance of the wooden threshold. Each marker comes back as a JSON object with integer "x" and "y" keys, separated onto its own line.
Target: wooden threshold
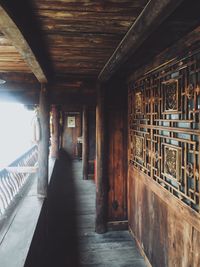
{"x": 117, "y": 225}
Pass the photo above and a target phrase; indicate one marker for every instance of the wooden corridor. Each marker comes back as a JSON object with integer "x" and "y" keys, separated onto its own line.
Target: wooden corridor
{"x": 71, "y": 239}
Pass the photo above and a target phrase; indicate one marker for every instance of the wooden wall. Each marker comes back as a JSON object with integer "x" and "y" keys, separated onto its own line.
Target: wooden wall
{"x": 163, "y": 232}
{"x": 163, "y": 204}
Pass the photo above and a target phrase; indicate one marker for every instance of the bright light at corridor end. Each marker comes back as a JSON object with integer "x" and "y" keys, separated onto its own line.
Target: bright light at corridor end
{"x": 15, "y": 131}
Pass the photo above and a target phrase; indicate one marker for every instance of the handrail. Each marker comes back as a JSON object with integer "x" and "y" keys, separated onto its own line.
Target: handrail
{"x": 11, "y": 182}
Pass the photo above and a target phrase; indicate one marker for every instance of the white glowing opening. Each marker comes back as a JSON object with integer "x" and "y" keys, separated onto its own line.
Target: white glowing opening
{"x": 15, "y": 132}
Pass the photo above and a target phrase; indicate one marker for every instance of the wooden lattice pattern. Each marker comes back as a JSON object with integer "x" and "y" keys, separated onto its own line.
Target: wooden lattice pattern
{"x": 164, "y": 127}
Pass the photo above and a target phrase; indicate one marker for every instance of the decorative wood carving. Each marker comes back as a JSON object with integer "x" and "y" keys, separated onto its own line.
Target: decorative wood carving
{"x": 172, "y": 159}
{"x": 139, "y": 147}
{"x": 171, "y": 97}
{"x": 164, "y": 127}
{"x": 138, "y": 102}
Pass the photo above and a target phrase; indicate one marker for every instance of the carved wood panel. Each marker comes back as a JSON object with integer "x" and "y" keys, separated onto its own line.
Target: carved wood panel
{"x": 164, "y": 127}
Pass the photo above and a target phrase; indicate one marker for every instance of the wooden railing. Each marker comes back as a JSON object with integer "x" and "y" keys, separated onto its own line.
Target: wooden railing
{"x": 13, "y": 177}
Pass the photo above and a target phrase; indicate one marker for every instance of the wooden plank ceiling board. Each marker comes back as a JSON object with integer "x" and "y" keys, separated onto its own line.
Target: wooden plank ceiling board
{"x": 10, "y": 59}
{"x": 14, "y": 70}
{"x": 82, "y": 35}
{"x": 17, "y": 32}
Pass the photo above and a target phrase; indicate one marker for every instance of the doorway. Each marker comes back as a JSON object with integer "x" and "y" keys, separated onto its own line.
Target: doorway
{"x": 71, "y": 132}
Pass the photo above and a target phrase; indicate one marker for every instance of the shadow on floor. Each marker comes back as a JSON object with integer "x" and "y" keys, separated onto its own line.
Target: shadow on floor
{"x": 57, "y": 244}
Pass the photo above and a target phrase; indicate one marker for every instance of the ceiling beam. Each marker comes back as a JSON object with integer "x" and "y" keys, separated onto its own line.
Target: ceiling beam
{"x": 152, "y": 16}
{"x": 11, "y": 31}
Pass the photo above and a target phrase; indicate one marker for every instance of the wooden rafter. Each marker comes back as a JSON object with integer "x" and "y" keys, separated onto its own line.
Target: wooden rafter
{"x": 13, "y": 33}
{"x": 152, "y": 16}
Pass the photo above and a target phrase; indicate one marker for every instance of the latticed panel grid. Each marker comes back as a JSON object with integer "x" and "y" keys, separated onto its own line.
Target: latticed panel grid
{"x": 164, "y": 128}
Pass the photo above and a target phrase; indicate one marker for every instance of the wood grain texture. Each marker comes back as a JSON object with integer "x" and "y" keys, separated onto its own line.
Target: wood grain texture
{"x": 10, "y": 59}
{"x": 55, "y": 132}
{"x": 75, "y": 233}
{"x": 153, "y": 14}
{"x": 188, "y": 43}
{"x": 14, "y": 34}
{"x": 117, "y": 171}
{"x": 85, "y": 132}
{"x": 43, "y": 146}
{"x": 166, "y": 236}
{"x": 101, "y": 178}
{"x": 82, "y": 35}
{"x": 70, "y": 135}
{"x": 92, "y": 141}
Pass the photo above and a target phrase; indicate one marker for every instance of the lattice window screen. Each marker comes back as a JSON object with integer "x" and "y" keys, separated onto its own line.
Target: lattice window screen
{"x": 164, "y": 128}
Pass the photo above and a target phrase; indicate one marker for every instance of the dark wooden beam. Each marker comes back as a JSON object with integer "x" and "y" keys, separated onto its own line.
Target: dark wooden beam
{"x": 18, "y": 77}
{"x": 152, "y": 16}
{"x": 43, "y": 146}
{"x": 78, "y": 98}
{"x": 101, "y": 181}
{"x": 11, "y": 31}
{"x": 85, "y": 143}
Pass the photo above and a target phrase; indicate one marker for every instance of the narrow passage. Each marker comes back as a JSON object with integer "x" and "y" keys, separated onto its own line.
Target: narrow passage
{"x": 72, "y": 241}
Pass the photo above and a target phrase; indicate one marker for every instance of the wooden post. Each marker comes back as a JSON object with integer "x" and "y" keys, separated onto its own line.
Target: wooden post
{"x": 85, "y": 153}
{"x": 55, "y": 132}
{"x": 101, "y": 181}
{"x": 61, "y": 128}
{"x": 43, "y": 146}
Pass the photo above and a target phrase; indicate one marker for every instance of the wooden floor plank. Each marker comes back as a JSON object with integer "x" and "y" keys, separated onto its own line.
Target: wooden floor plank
{"x": 71, "y": 239}
{"x": 110, "y": 249}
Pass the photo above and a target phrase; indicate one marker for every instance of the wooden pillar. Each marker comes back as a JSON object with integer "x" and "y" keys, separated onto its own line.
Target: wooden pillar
{"x": 43, "y": 146}
{"x": 61, "y": 128}
{"x": 85, "y": 152}
{"x": 101, "y": 181}
{"x": 55, "y": 132}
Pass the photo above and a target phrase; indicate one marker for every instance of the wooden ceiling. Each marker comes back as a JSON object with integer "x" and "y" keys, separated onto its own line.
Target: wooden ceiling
{"x": 68, "y": 42}
{"x": 10, "y": 59}
{"x": 72, "y": 40}
{"x": 82, "y": 35}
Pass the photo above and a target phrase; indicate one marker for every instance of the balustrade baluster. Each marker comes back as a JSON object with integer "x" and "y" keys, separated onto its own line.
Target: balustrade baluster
{"x": 11, "y": 182}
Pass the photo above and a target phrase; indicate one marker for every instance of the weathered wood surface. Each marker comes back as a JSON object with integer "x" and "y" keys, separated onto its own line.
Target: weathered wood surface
{"x": 175, "y": 27}
{"x": 70, "y": 135}
{"x": 153, "y": 14}
{"x": 72, "y": 240}
{"x": 11, "y": 60}
{"x": 82, "y": 35}
{"x": 85, "y": 145}
{"x": 168, "y": 239}
{"x": 19, "y": 225}
{"x": 101, "y": 178}
{"x": 12, "y": 32}
{"x": 117, "y": 164}
{"x": 43, "y": 146}
{"x": 188, "y": 43}
{"x": 110, "y": 6}
{"x": 55, "y": 132}
{"x": 165, "y": 227}
{"x": 92, "y": 142}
